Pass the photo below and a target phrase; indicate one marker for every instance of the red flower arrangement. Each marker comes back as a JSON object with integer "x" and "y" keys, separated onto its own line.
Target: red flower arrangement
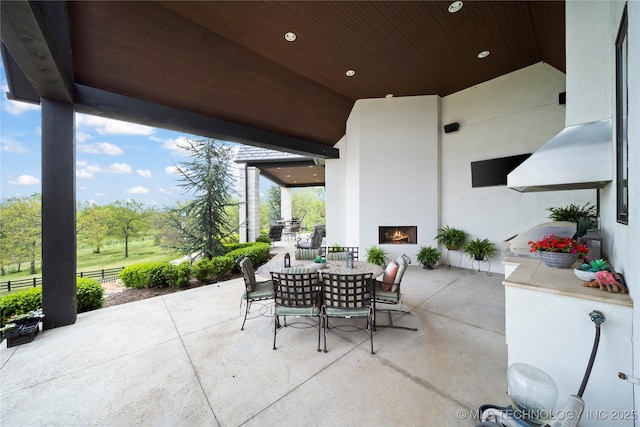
{"x": 555, "y": 243}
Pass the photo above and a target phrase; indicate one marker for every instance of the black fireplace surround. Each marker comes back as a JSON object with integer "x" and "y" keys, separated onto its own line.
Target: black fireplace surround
{"x": 398, "y": 235}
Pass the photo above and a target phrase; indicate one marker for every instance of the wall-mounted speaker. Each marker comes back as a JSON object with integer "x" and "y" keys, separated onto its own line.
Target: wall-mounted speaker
{"x": 451, "y": 127}
{"x": 562, "y": 98}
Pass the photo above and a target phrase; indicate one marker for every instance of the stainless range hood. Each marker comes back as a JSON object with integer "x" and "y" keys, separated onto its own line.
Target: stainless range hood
{"x": 577, "y": 158}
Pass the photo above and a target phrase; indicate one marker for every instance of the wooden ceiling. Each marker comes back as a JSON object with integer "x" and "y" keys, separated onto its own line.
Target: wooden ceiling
{"x": 223, "y": 68}
{"x": 230, "y": 61}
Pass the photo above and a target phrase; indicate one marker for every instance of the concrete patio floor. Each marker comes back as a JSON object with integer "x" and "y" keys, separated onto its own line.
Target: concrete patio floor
{"x": 181, "y": 359}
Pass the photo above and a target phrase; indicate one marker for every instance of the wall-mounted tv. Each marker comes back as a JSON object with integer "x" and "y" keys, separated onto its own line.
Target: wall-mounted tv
{"x": 491, "y": 172}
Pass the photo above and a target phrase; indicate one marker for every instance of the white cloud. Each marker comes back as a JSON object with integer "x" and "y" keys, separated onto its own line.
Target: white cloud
{"x": 118, "y": 168}
{"x": 144, "y": 173}
{"x": 82, "y": 136}
{"x": 25, "y": 180}
{"x": 177, "y": 146}
{"x": 16, "y": 108}
{"x": 138, "y": 190}
{"x": 106, "y": 126}
{"x": 81, "y": 162}
{"x": 83, "y": 188}
{"x": 172, "y": 170}
{"x": 100, "y": 194}
{"x": 100, "y": 148}
{"x": 90, "y": 171}
{"x": 165, "y": 191}
{"x": 10, "y": 146}
{"x": 83, "y": 173}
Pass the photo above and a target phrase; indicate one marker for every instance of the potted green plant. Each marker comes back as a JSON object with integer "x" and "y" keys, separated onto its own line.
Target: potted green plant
{"x": 376, "y": 255}
{"x": 585, "y": 216}
{"x": 479, "y": 249}
{"x": 451, "y": 238}
{"x": 428, "y": 256}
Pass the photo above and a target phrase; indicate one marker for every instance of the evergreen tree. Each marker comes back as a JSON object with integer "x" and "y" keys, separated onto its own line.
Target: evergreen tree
{"x": 273, "y": 199}
{"x": 205, "y": 221}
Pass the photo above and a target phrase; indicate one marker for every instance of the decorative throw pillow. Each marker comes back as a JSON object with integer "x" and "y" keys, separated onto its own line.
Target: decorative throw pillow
{"x": 389, "y": 276}
{"x": 396, "y": 281}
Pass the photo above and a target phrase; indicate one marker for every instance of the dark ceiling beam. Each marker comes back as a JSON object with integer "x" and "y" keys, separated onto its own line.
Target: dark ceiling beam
{"x": 37, "y": 36}
{"x": 20, "y": 88}
{"x": 107, "y": 104}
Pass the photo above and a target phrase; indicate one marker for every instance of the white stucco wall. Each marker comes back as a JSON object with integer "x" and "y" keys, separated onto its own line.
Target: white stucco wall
{"x": 513, "y": 114}
{"x": 385, "y": 183}
{"x": 631, "y": 266}
{"x": 592, "y": 29}
{"x": 589, "y": 56}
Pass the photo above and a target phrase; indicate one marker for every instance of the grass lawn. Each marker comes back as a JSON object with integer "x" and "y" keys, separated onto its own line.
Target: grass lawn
{"x": 110, "y": 256}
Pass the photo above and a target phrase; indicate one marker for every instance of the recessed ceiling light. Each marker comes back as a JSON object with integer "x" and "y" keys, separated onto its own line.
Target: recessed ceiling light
{"x": 350, "y": 73}
{"x": 483, "y": 54}
{"x": 315, "y": 174}
{"x": 455, "y": 6}
{"x": 310, "y": 166}
{"x": 389, "y": 95}
{"x": 290, "y": 37}
{"x": 288, "y": 176}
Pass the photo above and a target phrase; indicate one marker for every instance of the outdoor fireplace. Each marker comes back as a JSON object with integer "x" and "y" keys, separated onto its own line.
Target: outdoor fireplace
{"x": 398, "y": 235}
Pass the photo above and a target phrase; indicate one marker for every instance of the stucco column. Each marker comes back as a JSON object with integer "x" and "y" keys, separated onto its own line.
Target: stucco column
{"x": 249, "y": 183}
{"x": 286, "y": 209}
{"x": 253, "y": 178}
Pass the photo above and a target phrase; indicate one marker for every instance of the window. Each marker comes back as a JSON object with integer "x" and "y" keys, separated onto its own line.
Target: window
{"x": 622, "y": 157}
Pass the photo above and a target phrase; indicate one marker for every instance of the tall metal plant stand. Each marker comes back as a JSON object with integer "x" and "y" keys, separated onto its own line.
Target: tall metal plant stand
{"x": 479, "y": 261}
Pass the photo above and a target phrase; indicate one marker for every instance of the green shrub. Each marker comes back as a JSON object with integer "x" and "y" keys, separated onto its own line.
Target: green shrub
{"x": 263, "y": 238}
{"x": 258, "y": 253}
{"x": 184, "y": 274}
{"x": 20, "y": 302}
{"x": 162, "y": 275}
{"x": 201, "y": 270}
{"x": 234, "y": 246}
{"x": 90, "y": 294}
{"x": 221, "y": 265}
{"x": 134, "y": 276}
{"x": 212, "y": 269}
{"x": 149, "y": 275}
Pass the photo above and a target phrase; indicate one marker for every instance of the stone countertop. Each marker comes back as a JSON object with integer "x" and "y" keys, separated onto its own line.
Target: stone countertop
{"x": 533, "y": 274}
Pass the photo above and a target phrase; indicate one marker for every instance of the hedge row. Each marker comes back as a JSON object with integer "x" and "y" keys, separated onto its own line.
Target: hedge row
{"x": 90, "y": 296}
{"x": 160, "y": 274}
{"x": 150, "y": 275}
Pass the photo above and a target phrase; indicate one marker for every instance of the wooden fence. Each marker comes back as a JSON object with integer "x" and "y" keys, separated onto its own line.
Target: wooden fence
{"x": 104, "y": 275}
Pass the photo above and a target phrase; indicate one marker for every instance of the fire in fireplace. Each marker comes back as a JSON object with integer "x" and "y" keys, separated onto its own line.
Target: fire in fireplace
{"x": 397, "y": 235}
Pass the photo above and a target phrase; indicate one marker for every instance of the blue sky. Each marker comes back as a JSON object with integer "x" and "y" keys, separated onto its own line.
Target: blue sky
{"x": 114, "y": 160}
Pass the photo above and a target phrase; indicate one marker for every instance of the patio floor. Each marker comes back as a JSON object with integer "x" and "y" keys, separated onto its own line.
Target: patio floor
{"x": 181, "y": 359}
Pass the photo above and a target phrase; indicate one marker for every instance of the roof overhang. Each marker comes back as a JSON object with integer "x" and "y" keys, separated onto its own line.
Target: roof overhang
{"x": 223, "y": 69}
